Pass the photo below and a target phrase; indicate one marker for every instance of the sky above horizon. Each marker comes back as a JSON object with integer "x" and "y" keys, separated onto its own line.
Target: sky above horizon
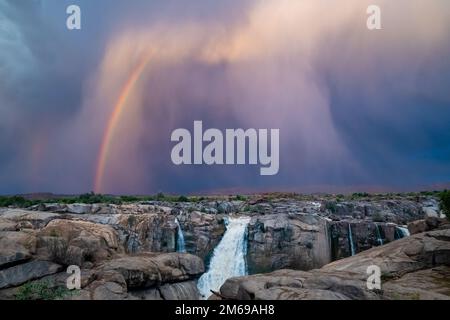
{"x": 356, "y": 109}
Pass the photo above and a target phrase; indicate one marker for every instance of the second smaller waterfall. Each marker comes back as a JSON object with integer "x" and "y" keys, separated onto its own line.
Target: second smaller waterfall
{"x": 379, "y": 238}
{"x": 350, "y": 240}
{"x": 181, "y": 246}
{"x": 403, "y": 231}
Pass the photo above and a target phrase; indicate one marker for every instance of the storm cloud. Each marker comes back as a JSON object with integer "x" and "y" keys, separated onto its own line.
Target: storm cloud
{"x": 356, "y": 109}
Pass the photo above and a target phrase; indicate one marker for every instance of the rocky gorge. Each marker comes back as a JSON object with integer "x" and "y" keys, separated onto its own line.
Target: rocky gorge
{"x": 293, "y": 247}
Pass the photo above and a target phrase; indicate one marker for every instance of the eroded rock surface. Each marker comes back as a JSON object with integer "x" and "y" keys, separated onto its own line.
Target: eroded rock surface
{"x": 416, "y": 267}
{"x": 287, "y": 241}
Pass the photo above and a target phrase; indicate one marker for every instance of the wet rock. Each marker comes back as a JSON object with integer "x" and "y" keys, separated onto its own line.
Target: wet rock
{"x": 361, "y": 234}
{"x": 186, "y": 290}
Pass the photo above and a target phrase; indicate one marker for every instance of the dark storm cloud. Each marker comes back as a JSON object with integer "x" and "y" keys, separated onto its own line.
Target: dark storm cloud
{"x": 354, "y": 108}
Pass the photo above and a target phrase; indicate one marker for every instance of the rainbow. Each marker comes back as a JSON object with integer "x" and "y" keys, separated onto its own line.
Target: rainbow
{"x": 113, "y": 121}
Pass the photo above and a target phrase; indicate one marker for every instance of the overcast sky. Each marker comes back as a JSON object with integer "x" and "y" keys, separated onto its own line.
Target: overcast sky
{"x": 356, "y": 109}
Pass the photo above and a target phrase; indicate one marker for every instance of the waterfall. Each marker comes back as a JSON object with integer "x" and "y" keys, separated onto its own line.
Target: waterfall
{"x": 403, "y": 231}
{"x": 379, "y": 238}
{"x": 228, "y": 259}
{"x": 181, "y": 247}
{"x": 350, "y": 240}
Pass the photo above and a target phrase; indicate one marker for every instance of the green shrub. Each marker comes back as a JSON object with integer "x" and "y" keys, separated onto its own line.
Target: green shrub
{"x": 160, "y": 196}
{"x": 445, "y": 202}
{"x": 183, "y": 199}
{"x": 358, "y": 195}
{"x": 41, "y": 290}
{"x": 16, "y": 201}
{"x": 130, "y": 199}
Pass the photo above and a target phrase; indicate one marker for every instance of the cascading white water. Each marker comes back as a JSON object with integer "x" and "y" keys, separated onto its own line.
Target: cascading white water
{"x": 403, "y": 231}
{"x": 181, "y": 246}
{"x": 350, "y": 240}
{"x": 379, "y": 238}
{"x": 228, "y": 259}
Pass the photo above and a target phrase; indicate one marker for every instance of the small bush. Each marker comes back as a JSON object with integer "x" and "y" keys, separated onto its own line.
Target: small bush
{"x": 41, "y": 290}
{"x": 358, "y": 195}
{"x": 58, "y": 250}
{"x": 183, "y": 199}
{"x": 240, "y": 198}
{"x": 160, "y": 196}
{"x": 16, "y": 201}
{"x": 129, "y": 199}
{"x": 445, "y": 202}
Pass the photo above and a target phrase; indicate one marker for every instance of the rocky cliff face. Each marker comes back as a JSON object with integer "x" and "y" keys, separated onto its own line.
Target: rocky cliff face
{"x": 287, "y": 241}
{"x": 305, "y": 235}
{"x": 412, "y": 268}
{"x": 36, "y": 247}
{"x": 128, "y": 251}
{"x": 142, "y": 228}
{"x": 362, "y": 235}
{"x": 202, "y": 232}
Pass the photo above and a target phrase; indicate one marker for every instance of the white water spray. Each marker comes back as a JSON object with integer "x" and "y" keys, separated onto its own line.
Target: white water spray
{"x": 350, "y": 239}
{"x": 403, "y": 231}
{"x": 228, "y": 258}
{"x": 379, "y": 238}
{"x": 181, "y": 246}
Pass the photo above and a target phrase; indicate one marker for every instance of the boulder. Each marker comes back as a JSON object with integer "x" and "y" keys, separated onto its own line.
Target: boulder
{"x": 38, "y": 219}
{"x": 152, "y": 269}
{"x": 296, "y": 285}
{"x": 427, "y": 224}
{"x": 108, "y": 291}
{"x": 22, "y": 273}
{"x": 9, "y": 258}
{"x": 416, "y": 267}
{"x": 417, "y": 226}
{"x": 427, "y": 284}
{"x": 150, "y": 276}
{"x": 79, "y": 208}
{"x": 186, "y": 290}
{"x": 76, "y": 242}
{"x": 16, "y": 247}
{"x": 8, "y": 225}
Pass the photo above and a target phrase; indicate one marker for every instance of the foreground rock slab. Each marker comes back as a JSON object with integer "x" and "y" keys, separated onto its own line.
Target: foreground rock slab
{"x": 149, "y": 276}
{"x": 416, "y": 267}
{"x": 20, "y": 274}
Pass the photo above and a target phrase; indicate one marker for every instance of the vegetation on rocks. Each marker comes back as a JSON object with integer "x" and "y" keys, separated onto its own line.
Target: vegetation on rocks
{"x": 445, "y": 202}
{"x": 41, "y": 290}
